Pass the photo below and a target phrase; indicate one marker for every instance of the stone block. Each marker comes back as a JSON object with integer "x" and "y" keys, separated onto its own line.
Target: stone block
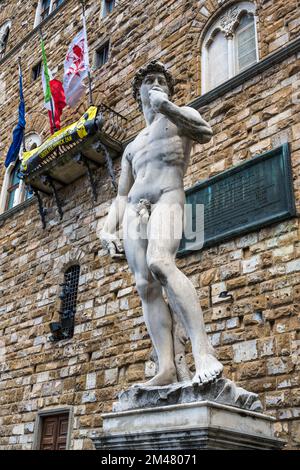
{"x": 251, "y": 370}
{"x": 18, "y": 429}
{"x": 91, "y": 380}
{"x": 222, "y": 311}
{"x": 251, "y": 264}
{"x": 275, "y": 400}
{"x": 245, "y": 351}
{"x": 230, "y": 270}
{"x": 277, "y": 365}
{"x": 266, "y": 347}
{"x": 293, "y": 266}
{"x": 110, "y": 376}
{"x": 233, "y": 323}
{"x": 135, "y": 372}
{"x": 88, "y": 397}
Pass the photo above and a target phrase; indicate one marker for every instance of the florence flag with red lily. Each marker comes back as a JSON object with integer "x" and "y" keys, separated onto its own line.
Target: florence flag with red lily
{"x": 76, "y": 68}
{"x": 55, "y": 100}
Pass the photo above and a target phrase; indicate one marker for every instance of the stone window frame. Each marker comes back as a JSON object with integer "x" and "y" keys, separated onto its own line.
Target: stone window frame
{"x": 36, "y": 71}
{"x": 31, "y": 139}
{"x": 226, "y": 21}
{"x": 4, "y": 31}
{"x": 99, "y": 46}
{"x": 38, "y": 14}
{"x": 50, "y": 412}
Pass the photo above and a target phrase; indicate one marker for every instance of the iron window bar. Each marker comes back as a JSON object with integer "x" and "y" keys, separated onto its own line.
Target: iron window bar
{"x": 65, "y": 328}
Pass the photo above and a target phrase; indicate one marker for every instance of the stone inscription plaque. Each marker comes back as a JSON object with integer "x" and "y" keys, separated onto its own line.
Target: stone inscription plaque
{"x": 246, "y": 197}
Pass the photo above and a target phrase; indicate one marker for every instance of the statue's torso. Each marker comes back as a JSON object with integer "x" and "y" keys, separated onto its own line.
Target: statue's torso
{"x": 159, "y": 156}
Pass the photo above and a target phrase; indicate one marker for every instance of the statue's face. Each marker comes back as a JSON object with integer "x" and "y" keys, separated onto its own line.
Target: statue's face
{"x": 156, "y": 81}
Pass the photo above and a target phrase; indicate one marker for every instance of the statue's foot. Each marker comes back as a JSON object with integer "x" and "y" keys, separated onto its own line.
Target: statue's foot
{"x": 161, "y": 379}
{"x": 210, "y": 369}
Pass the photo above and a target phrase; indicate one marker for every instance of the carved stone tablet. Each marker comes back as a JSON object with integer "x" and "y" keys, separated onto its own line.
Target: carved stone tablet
{"x": 246, "y": 197}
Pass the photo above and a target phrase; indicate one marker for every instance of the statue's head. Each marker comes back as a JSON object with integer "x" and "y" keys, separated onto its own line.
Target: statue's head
{"x": 154, "y": 68}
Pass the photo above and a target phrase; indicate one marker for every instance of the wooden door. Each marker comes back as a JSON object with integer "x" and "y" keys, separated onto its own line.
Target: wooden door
{"x": 54, "y": 432}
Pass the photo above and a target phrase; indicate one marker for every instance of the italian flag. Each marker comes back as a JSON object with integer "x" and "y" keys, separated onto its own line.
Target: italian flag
{"x": 54, "y": 94}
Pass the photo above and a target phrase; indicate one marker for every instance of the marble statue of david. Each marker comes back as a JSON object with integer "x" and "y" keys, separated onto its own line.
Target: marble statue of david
{"x": 150, "y": 186}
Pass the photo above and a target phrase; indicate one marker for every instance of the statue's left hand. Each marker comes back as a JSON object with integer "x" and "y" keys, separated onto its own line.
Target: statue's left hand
{"x": 157, "y": 98}
{"x": 112, "y": 244}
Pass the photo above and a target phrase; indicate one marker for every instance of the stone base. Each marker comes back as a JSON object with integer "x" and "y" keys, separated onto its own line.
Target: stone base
{"x": 204, "y": 425}
{"x": 221, "y": 391}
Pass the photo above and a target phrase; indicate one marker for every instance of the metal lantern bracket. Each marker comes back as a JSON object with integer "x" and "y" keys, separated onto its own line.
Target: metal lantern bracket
{"x": 63, "y": 329}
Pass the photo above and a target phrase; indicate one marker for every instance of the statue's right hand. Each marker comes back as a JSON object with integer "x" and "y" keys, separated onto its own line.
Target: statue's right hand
{"x": 112, "y": 244}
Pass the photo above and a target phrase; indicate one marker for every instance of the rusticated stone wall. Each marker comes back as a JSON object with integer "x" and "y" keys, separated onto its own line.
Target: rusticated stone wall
{"x": 256, "y": 335}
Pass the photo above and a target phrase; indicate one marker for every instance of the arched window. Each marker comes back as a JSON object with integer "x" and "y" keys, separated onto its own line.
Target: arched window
{"x": 229, "y": 45}
{"x": 32, "y": 140}
{"x": 44, "y": 8}
{"x": 4, "y": 34}
{"x": 107, "y": 7}
{"x": 218, "y": 70}
{"x": 65, "y": 328}
{"x": 14, "y": 190}
{"x": 245, "y": 43}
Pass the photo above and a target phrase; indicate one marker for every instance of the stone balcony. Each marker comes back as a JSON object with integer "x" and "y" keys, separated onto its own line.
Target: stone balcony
{"x": 93, "y": 141}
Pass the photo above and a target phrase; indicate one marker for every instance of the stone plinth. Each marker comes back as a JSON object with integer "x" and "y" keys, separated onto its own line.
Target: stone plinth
{"x": 200, "y": 425}
{"x": 221, "y": 390}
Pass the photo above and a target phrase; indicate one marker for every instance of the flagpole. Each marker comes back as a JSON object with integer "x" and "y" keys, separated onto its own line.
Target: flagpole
{"x": 51, "y": 102}
{"x": 89, "y": 71}
{"x": 21, "y": 73}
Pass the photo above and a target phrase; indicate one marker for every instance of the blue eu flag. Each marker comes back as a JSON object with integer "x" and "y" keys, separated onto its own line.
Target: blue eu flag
{"x": 18, "y": 132}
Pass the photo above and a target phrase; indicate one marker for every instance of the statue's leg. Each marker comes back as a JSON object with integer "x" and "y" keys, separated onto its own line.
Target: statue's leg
{"x": 182, "y": 296}
{"x": 156, "y": 311}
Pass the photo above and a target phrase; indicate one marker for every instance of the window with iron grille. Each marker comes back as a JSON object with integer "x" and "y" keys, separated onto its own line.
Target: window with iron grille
{"x": 65, "y": 328}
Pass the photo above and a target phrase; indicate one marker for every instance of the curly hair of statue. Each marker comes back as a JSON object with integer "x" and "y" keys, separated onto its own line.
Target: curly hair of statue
{"x": 152, "y": 67}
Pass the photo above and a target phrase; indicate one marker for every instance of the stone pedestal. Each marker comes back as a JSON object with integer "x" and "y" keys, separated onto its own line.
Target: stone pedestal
{"x": 198, "y": 425}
